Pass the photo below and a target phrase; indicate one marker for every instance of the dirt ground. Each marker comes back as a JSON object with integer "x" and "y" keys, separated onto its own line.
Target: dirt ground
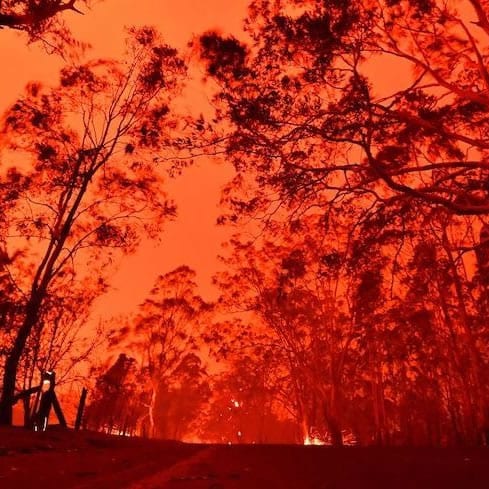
{"x": 59, "y": 459}
{"x": 64, "y": 459}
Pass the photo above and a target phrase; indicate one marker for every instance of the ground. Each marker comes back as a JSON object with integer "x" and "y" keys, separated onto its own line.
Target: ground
{"x": 64, "y": 459}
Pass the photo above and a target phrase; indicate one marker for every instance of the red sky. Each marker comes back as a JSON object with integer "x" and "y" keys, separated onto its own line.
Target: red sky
{"x": 193, "y": 239}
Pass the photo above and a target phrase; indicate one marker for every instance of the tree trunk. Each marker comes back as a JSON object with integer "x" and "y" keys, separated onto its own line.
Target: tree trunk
{"x": 470, "y": 344}
{"x": 40, "y": 284}
{"x": 336, "y": 434}
{"x": 467, "y": 420}
{"x": 376, "y": 386}
{"x": 333, "y": 417}
{"x": 13, "y": 359}
{"x": 151, "y": 413}
{"x": 379, "y": 406}
{"x": 27, "y": 411}
{"x": 304, "y": 426}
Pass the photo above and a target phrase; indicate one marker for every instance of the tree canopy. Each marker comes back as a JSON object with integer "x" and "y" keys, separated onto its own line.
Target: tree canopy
{"x": 308, "y": 121}
{"x": 42, "y": 20}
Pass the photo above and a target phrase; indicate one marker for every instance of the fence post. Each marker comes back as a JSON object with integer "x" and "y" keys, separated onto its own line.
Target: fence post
{"x": 81, "y": 408}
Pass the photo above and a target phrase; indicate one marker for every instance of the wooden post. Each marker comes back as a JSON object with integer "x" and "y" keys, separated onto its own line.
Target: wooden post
{"x": 81, "y": 408}
{"x": 48, "y": 400}
{"x": 58, "y": 411}
{"x": 48, "y": 379}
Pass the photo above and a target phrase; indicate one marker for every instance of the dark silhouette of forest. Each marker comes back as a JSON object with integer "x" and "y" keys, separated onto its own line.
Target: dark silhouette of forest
{"x": 353, "y": 292}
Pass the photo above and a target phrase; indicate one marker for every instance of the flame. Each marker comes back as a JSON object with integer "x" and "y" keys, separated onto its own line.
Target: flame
{"x": 313, "y": 441}
{"x": 192, "y": 439}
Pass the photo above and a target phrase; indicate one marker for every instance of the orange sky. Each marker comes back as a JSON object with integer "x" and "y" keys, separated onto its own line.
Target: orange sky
{"x": 193, "y": 239}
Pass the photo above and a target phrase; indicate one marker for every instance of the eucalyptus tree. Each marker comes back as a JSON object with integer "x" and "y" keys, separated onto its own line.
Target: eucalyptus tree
{"x": 166, "y": 337}
{"x": 81, "y": 183}
{"x": 43, "y": 20}
{"x": 311, "y": 125}
{"x": 305, "y": 115}
{"x": 294, "y": 284}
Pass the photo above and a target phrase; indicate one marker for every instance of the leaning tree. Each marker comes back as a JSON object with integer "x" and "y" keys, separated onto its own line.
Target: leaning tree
{"x": 80, "y": 181}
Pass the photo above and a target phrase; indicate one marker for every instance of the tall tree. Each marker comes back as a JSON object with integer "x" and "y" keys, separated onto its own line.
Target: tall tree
{"x": 180, "y": 401}
{"x": 87, "y": 186}
{"x": 296, "y": 291}
{"x": 307, "y": 119}
{"x": 243, "y": 407}
{"x": 377, "y": 332}
{"x": 166, "y": 334}
{"x": 310, "y": 125}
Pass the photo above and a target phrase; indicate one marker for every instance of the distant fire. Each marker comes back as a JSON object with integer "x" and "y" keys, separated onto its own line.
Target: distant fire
{"x": 193, "y": 439}
{"x": 317, "y": 438}
{"x": 313, "y": 441}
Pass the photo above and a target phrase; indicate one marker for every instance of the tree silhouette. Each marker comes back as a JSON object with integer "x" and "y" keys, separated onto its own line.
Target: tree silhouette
{"x": 181, "y": 399}
{"x": 166, "y": 335}
{"x": 306, "y": 119}
{"x": 31, "y": 16}
{"x": 60, "y": 341}
{"x": 397, "y": 171}
{"x": 244, "y": 407}
{"x": 42, "y": 20}
{"x": 90, "y": 189}
{"x": 295, "y": 293}
{"x": 373, "y": 323}
{"x": 117, "y": 402}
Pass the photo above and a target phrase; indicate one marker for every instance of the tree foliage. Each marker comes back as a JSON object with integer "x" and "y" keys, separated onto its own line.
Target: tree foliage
{"x": 323, "y": 149}
{"x": 307, "y": 121}
{"x": 166, "y": 336}
{"x": 43, "y": 20}
{"x": 373, "y": 342}
{"x": 81, "y": 183}
{"x": 116, "y": 404}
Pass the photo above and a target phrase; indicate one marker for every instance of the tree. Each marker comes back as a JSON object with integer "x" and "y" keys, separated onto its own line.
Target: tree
{"x": 117, "y": 401}
{"x": 88, "y": 187}
{"x": 166, "y": 334}
{"x": 10, "y": 304}
{"x": 305, "y": 118}
{"x": 59, "y": 342}
{"x": 374, "y": 325}
{"x": 292, "y": 282}
{"x": 180, "y": 400}
{"x": 41, "y": 19}
{"x": 309, "y": 127}
{"x": 244, "y": 407}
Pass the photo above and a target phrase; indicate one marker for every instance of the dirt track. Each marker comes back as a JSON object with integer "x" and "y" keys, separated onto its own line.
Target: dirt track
{"x": 296, "y": 467}
{"x": 91, "y": 461}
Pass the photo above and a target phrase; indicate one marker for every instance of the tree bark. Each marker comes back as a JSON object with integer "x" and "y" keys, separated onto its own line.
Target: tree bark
{"x": 481, "y": 420}
{"x": 151, "y": 409}
{"x": 13, "y": 359}
{"x": 334, "y": 428}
